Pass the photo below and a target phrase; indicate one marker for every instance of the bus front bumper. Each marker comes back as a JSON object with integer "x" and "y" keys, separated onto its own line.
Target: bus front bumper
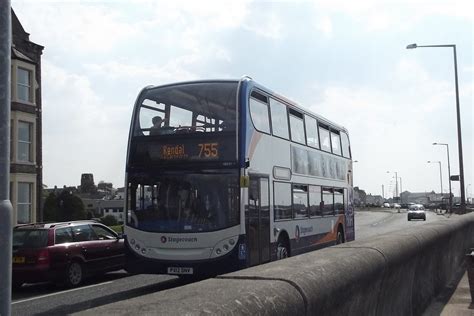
{"x": 229, "y": 262}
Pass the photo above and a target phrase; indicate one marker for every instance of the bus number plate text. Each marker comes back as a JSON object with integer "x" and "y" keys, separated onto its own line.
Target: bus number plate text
{"x": 180, "y": 270}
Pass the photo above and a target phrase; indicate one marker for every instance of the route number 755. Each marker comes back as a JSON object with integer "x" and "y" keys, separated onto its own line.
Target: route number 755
{"x": 208, "y": 150}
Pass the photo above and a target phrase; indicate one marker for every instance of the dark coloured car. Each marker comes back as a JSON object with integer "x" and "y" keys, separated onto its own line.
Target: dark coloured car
{"x": 64, "y": 252}
{"x": 416, "y": 211}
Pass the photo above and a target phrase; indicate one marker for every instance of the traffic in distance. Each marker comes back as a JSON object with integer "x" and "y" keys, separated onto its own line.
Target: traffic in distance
{"x": 226, "y": 174}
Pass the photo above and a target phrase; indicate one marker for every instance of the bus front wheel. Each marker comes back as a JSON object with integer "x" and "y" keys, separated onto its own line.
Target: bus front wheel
{"x": 282, "y": 250}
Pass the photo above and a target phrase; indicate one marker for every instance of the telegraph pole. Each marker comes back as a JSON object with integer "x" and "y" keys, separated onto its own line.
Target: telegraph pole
{"x": 6, "y": 209}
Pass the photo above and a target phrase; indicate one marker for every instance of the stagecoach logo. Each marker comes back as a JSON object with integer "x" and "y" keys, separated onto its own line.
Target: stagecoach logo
{"x": 301, "y": 231}
{"x": 178, "y": 240}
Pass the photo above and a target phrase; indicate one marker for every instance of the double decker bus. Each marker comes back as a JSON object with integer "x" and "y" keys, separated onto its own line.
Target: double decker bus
{"x": 226, "y": 174}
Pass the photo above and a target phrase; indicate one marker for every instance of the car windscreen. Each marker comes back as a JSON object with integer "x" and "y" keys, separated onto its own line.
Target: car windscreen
{"x": 30, "y": 238}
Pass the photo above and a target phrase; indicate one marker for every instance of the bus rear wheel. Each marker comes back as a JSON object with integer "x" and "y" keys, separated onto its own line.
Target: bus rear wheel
{"x": 282, "y": 250}
{"x": 339, "y": 237}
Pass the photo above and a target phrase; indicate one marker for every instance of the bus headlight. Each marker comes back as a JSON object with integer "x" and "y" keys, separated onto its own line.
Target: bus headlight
{"x": 224, "y": 246}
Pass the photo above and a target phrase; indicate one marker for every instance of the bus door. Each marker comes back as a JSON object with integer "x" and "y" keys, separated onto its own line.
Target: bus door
{"x": 258, "y": 220}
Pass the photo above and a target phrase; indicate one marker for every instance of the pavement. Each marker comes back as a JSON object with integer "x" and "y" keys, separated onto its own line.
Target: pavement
{"x": 455, "y": 301}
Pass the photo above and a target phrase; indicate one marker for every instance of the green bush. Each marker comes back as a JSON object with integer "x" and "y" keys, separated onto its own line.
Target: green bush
{"x": 117, "y": 228}
{"x": 109, "y": 220}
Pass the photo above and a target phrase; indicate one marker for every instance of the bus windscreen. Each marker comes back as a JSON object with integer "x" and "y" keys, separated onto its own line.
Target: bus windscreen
{"x": 186, "y": 202}
{"x": 187, "y": 108}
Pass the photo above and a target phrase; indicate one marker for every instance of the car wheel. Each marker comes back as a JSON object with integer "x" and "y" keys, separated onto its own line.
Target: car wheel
{"x": 74, "y": 274}
{"x": 282, "y": 250}
{"x": 409, "y": 219}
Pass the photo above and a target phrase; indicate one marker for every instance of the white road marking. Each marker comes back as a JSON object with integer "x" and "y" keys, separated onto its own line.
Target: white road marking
{"x": 57, "y": 293}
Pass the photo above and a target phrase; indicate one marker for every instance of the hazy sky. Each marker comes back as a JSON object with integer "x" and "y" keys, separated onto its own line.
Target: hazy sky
{"x": 345, "y": 60}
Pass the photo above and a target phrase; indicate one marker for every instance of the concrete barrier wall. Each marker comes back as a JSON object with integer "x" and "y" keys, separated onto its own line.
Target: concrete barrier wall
{"x": 394, "y": 274}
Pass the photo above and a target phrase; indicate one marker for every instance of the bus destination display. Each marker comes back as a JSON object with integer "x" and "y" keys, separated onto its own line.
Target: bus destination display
{"x": 193, "y": 151}
{"x": 219, "y": 148}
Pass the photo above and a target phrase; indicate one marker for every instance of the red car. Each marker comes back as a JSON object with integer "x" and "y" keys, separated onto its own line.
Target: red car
{"x": 64, "y": 252}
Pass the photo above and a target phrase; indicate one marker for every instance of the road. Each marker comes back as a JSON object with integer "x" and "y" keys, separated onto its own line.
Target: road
{"x": 375, "y": 222}
{"x": 47, "y": 299}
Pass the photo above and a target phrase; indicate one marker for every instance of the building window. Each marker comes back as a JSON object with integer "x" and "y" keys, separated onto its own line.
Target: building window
{"x": 23, "y": 84}
{"x": 24, "y": 202}
{"x": 24, "y": 152}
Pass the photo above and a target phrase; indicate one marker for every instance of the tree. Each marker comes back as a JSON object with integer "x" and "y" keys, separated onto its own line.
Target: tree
{"x": 51, "y": 208}
{"x": 71, "y": 207}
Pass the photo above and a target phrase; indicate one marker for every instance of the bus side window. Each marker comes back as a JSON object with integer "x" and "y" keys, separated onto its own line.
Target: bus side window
{"x": 328, "y": 201}
{"x": 259, "y": 112}
{"x": 297, "y": 127}
{"x": 312, "y": 138}
{"x": 282, "y": 200}
{"x": 336, "y": 143}
{"x": 279, "y": 119}
{"x": 300, "y": 201}
{"x": 325, "y": 138}
{"x": 315, "y": 201}
{"x": 339, "y": 201}
{"x": 346, "y": 149}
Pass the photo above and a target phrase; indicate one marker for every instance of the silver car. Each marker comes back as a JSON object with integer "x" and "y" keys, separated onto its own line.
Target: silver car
{"x": 416, "y": 211}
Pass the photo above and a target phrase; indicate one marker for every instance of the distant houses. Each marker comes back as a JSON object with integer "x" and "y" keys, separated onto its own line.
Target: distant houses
{"x": 362, "y": 199}
{"x": 99, "y": 201}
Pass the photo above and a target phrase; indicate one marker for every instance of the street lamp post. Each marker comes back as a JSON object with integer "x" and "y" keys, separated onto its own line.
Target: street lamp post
{"x": 401, "y": 189}
{"x": 458, "y": 115}
{"x": 449, "y": 176}
{"x": 440, "y": 175}
{"x": 396, "y": 183}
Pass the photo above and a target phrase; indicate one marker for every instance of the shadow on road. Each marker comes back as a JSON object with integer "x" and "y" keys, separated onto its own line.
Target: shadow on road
{"x": 115, "y": 297}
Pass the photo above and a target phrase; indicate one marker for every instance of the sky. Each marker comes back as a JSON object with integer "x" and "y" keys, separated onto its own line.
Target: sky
{"x": 345, "y": 60}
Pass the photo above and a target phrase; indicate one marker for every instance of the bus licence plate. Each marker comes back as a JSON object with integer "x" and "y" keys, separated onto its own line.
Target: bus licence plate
{"x": 180, "y": 270}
